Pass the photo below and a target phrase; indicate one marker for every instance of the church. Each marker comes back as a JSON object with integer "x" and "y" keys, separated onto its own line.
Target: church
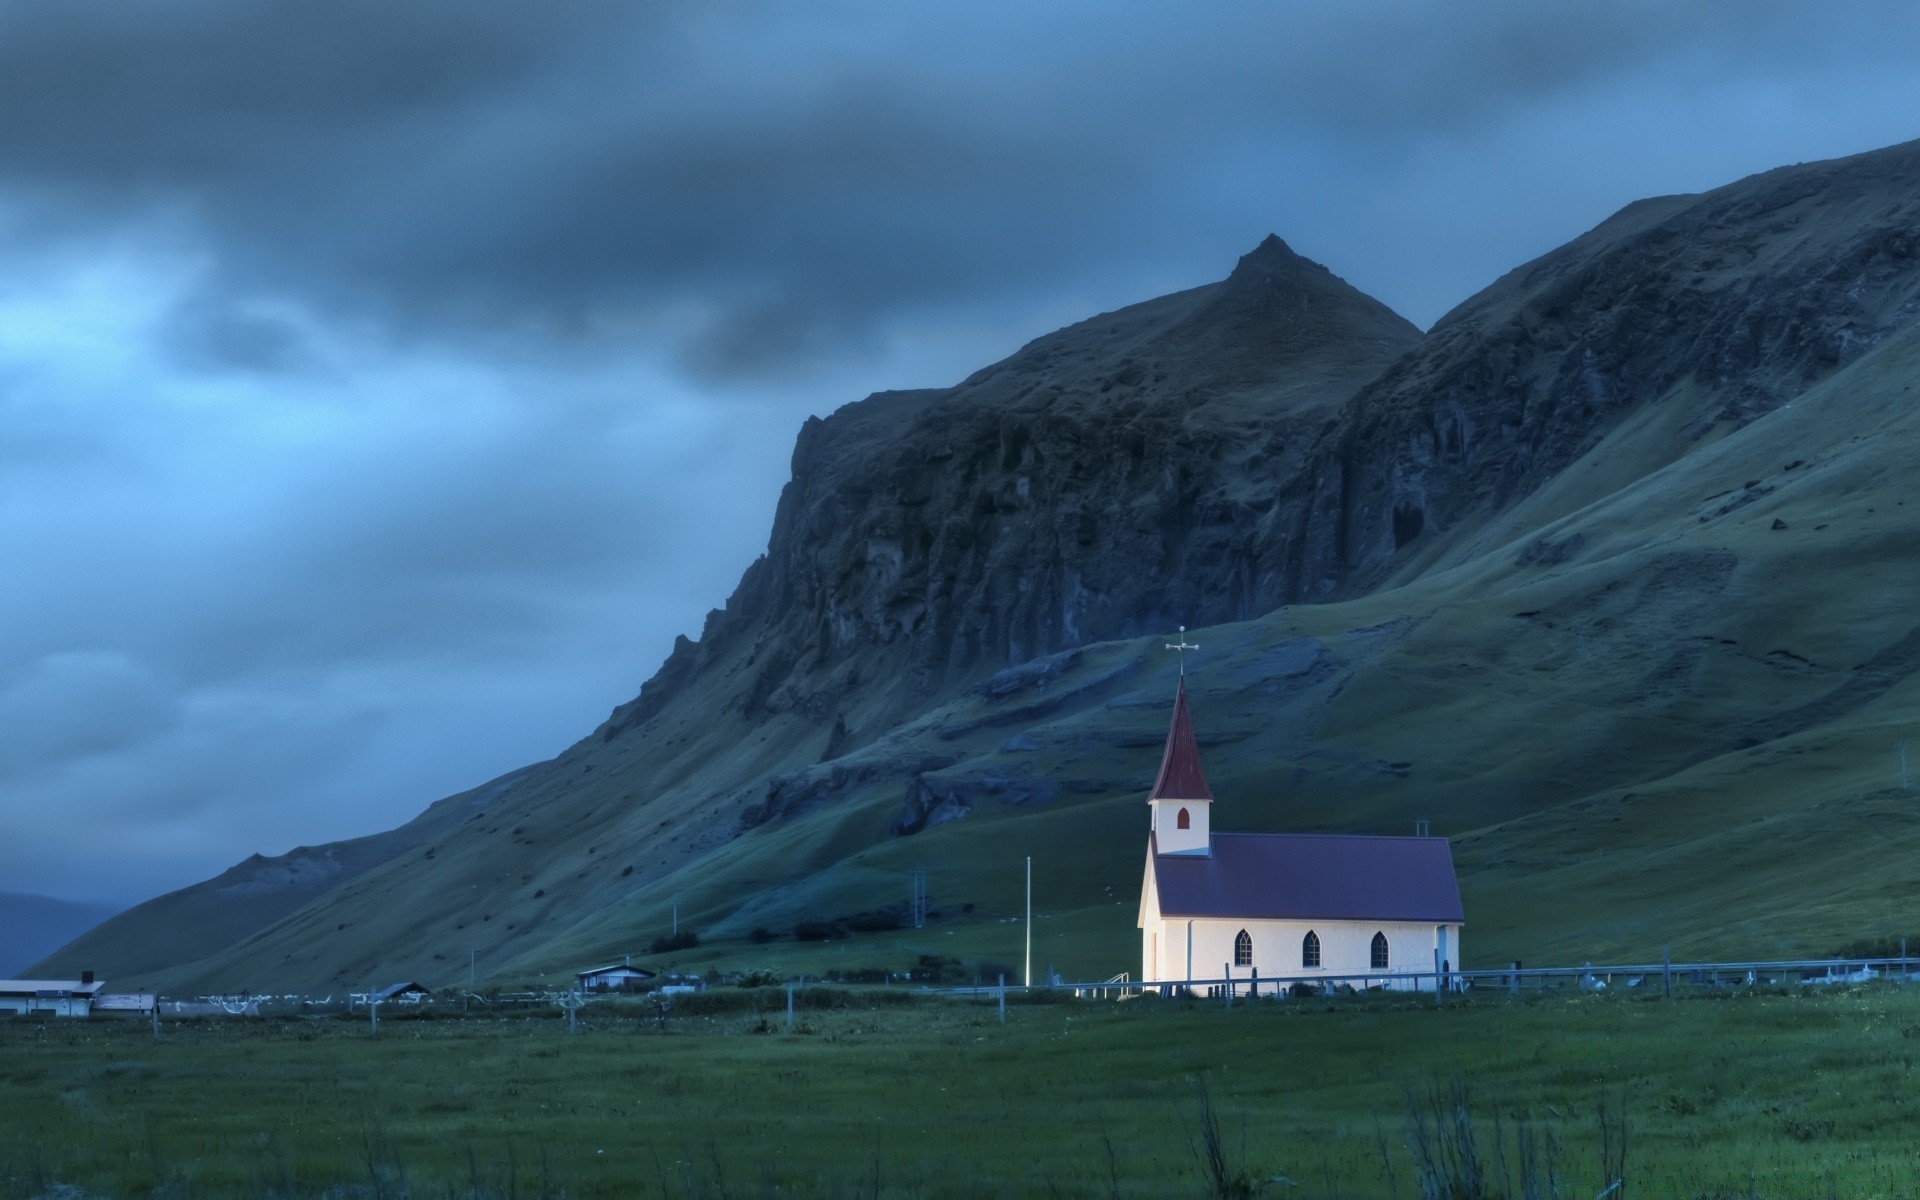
{"x": 1343, "y": 908}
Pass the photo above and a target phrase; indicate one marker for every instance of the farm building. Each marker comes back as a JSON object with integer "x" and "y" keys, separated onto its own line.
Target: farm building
{"x": 1359, "y": 910}
{"x": 403, "y": 993}
{"x": 611, "y": 979}
{"x": 60, "y": 997}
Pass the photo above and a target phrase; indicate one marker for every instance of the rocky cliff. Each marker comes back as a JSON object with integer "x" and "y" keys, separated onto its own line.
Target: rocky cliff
{"x": 1115, "y": 477}
{"x": 1719, "y": 307}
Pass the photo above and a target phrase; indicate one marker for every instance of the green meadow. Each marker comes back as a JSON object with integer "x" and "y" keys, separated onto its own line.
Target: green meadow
{"x": 878, "y": 1093}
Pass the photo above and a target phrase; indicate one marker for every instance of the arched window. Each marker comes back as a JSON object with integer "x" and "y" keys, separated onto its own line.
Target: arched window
{"x": 1243, "y": 949}
{"x": 1310, "y": 949}
{"x": 1183, "y": 822}
{"x": 1379, "y": 951}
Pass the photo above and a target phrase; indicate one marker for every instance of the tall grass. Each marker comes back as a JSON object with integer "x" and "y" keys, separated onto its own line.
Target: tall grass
{"x": 1458, "y": 1154}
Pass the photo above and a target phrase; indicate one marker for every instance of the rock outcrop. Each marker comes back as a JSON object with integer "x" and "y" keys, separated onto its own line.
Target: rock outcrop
{"x": 1727, "y": 304}
{"x": 1116, "y": 477}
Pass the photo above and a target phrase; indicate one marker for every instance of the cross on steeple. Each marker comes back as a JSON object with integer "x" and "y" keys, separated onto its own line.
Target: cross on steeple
{"x": 1181, "y": 647}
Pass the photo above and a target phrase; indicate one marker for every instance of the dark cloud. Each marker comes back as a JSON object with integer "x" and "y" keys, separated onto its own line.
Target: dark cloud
{"x": 798, "y": 181}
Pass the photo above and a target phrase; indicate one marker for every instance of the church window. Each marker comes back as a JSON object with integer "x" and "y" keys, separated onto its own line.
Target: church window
{"x": 1183, "y": 821}
{"x": 1379, "y": 951}
{"x": 1310, "y": 950}
{"x": 1243, "y": 949}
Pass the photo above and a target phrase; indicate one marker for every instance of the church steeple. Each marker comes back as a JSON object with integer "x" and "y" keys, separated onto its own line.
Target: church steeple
{"x": 1180, "y": 775}
{"x": 1181, "y": 801}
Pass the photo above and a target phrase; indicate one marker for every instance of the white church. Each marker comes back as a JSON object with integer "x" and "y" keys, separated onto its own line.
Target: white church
{"x": 1339, "y": 908}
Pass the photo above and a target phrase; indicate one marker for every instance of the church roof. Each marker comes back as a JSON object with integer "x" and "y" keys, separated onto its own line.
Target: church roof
{"x": 1312, "y": 876}
{"x": 1180, "y": 775}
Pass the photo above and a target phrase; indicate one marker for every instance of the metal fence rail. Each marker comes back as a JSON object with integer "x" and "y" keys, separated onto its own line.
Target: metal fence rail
{"x": 1514, "y": 978}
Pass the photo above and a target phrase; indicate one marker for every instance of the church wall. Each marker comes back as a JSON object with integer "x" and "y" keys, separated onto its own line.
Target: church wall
{"x": 1345, "y": 949}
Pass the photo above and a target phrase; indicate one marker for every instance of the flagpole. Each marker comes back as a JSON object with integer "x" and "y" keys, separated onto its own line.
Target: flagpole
{"x": 1029, "y": 965}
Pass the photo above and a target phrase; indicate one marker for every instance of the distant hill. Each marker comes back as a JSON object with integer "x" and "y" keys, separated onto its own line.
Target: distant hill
{"x": 191, "y": 923}
{"x": 1609, "y": 576}
{"x": 32, "y": 927}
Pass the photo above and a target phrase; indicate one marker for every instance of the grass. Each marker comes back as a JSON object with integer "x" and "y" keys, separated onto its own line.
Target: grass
{"x": 1718, "y": 1095}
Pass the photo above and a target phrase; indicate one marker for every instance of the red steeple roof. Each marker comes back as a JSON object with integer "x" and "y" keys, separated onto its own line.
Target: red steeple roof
{"x": 1180, "y": 775}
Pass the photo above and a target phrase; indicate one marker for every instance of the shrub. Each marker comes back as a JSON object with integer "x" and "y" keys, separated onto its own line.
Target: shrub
{"x": 1887, "y": 946}
{"x": 813, "y": 931}
{"x": 988, "y": 971}
{"x": 761, "y": 935}
{"x": 880, "y": 921}
{"x": 686, "y": 939}
{"x": 936, "y": 968}
{"x": 857, "y": 975}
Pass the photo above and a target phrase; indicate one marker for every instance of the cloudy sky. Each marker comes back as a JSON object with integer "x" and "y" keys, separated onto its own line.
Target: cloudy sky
{"x": 383, "y": 386}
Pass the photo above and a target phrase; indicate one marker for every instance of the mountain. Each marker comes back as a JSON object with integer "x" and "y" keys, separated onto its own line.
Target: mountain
{"x": 194, "y": 922}
{"x": 32, "y": 927}
{"x": 1604, "y": 576}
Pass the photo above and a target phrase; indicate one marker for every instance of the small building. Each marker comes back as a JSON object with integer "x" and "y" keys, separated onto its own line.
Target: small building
{"x": 408, "y": 992}
{"x": 57, "y": 997}
{"x": 1353, "y": 910}
{"x": 135, "y": 1003}
{"x": 615, "y": 978}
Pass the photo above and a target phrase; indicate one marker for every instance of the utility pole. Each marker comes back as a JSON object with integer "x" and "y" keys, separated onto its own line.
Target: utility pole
{"x": 676, "y": 915}
{"x": 1029, "y": 965}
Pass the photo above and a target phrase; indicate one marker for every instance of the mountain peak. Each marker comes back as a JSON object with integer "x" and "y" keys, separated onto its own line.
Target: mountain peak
{"x": 1273, "y": 266}
{"x": 1272, "y": 253}
{"x": 1280, "y": 303}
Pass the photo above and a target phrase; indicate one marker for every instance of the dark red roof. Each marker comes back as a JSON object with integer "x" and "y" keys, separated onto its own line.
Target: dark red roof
{"x": 1180, "y": 775}
{"x": 1312, "y": 876}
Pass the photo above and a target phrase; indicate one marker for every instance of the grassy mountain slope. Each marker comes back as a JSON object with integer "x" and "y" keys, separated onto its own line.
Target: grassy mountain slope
{"x": 1608, "y": 577}
{"x": 206, "y": 918}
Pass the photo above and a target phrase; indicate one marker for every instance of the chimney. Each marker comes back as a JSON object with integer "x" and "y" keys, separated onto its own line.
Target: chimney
{"x": 86, "y": 977}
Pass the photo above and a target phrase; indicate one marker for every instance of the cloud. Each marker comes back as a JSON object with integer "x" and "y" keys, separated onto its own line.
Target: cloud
{"x": 78, "y": 704}
{"x": 773, "y": 189}
{"x": 272, "y": 609}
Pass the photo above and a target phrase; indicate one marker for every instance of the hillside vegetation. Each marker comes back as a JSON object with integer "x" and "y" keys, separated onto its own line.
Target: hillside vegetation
{"x": 1608, "y": 576}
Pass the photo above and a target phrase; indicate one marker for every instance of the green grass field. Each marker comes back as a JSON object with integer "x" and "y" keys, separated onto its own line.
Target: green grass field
{"x": 1723, "y": 1095}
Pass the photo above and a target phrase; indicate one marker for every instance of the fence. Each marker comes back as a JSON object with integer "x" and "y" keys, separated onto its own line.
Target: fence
{"x": 1664, "y": 974}
{"x": 1228, "y": 987}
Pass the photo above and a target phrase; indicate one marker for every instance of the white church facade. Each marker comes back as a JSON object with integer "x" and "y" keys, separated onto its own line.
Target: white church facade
{"x": 1343, "y": 909}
